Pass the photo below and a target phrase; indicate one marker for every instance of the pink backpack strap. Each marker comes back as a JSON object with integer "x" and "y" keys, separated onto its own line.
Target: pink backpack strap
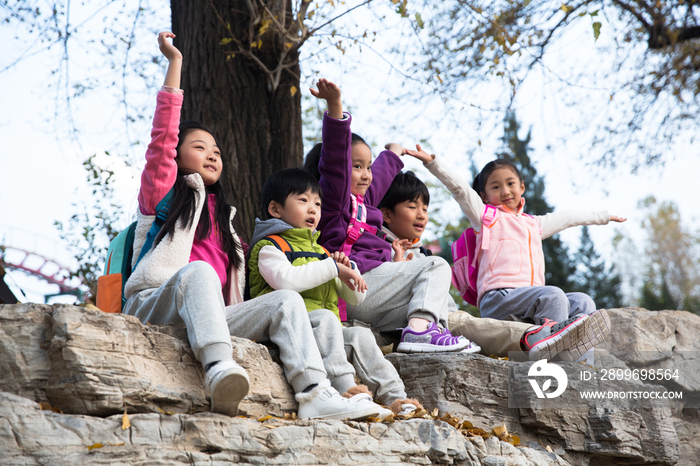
{"x": 490, "y": 213}
{"x": 358, "y": 223}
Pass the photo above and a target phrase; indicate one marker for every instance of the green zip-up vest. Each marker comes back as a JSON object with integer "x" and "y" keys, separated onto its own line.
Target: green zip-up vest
{"x": 300, "y": 239}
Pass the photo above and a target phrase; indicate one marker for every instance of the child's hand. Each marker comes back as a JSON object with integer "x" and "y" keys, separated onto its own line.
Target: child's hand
{"x": 420, "y": 154}
{"x": 615, "y": 218}
{"x": 331, "y": 93}
{"x": 400, "y": 246}
{"x": 167, "y": 48}
{"x": 395, "y": 148}
{"x": 352, "y": 278}
{"x": 340, "y": 258}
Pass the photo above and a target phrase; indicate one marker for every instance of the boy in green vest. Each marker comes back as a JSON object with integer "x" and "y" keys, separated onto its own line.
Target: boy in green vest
{"x": 284, "y": 254}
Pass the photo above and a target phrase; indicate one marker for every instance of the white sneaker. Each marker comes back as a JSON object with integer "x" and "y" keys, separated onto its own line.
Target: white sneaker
{"x": 471, "y": 348}
{"x": 227, "y": 383}
{"x": 324, "y": 402}
{"x": 365, "y": 399}
{"x": 407, "y": 408}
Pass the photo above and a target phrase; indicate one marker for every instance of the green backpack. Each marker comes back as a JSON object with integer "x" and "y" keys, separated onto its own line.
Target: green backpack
{"x": 118, "y": 266}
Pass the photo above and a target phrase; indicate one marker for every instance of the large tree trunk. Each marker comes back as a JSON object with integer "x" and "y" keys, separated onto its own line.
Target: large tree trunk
{"x": 257, "y": 129}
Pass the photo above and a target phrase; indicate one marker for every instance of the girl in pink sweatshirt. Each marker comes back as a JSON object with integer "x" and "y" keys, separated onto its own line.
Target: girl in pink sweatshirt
{"x": 193, "y": 276}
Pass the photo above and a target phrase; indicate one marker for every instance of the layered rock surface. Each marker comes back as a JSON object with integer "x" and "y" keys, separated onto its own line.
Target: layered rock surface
{"x": 94, "y": 367}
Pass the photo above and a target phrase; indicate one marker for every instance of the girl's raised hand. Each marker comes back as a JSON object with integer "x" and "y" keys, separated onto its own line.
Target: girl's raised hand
{"x": 395, "y": 148}
{"x": 420, "y": 154}
{"x": 330, "y": 92}
{"x": 167, "y": 48}
{"x": 615, "y": 218}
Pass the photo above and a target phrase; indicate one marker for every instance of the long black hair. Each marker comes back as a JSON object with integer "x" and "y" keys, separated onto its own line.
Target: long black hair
{"x": 182, "y": 208}
{"x": 314, "y": 155}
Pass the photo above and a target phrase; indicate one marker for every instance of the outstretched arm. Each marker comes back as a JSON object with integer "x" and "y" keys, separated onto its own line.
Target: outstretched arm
{"x": 330, "y": 92}
{"x": 469, "y": 200}
{"x": 172, "y": 75}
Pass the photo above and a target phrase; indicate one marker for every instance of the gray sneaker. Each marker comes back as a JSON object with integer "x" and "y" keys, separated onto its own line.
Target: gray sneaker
{"x": 596, "y": 330}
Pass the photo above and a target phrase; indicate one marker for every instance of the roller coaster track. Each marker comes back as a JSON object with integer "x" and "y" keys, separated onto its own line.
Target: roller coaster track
{"x": 36, "y": 255}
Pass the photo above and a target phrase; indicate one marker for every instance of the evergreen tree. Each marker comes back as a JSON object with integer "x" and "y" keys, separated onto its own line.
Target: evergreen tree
{"x": 654, "y": 299}
{"x": 559, "y": 268}
{"x": 592, "y": 277}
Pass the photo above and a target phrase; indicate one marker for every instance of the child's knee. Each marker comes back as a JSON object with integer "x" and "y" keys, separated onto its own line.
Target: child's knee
{"x": 581, "y": 303}
{"x": 556, "y": 296}
{"x": 199, "y": 272}
{"x": 290, "y": 300}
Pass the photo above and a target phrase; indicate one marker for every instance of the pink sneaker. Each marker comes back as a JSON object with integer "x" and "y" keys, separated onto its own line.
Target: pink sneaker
{"x": 433, "y": 340}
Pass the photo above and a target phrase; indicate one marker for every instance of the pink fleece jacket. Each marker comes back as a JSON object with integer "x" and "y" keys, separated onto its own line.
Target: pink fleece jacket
{"x": 159, "y": 176}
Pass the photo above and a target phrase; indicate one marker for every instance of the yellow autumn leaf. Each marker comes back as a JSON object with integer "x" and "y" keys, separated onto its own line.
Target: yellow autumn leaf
{"x": 265, "y": 418}
{"x": 126, "y": 423}
{"x": 293, "y": 90}
{"x": 514, "y": 440}
{"x": 500, "y": 430}
{"x": 264, "y": 26}
{"x": 565, "y": 8}
{"x": 94, "y": 446}
{"x": 225, "y": 40}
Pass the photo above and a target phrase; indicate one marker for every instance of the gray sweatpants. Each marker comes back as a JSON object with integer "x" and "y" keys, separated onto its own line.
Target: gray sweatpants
{"x": 535, "y": 303}
{"x": 192, "y": 298}
{"x": 349, "y": 350}
{"x": 398, "y": 291}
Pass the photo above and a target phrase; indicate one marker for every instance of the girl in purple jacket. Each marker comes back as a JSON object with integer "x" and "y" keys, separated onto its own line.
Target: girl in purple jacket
{"x": 412, "y": 295}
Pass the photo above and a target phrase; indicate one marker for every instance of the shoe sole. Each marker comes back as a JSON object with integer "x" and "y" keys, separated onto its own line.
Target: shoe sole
{"x": 563, "y": 341}
{"x": 232, "y": 387}
{"x": 596, "y": 331}
{"x": 428, "y": 348}
{"x": 358, "y": 415}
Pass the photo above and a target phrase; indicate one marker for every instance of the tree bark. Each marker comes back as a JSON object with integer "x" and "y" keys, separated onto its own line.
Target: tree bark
{"x": 258, "y": 129}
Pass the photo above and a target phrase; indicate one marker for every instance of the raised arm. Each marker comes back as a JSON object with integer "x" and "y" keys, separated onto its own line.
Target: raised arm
{"x": 159, "y": 174}
{"x": 469, "y": 200}
{"x": 335, "y": 164}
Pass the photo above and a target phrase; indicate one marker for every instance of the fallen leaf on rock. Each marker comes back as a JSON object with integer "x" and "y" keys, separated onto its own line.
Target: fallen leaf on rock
{"x": 126, "y": 423}
{"x": 265, "y": 418}
{"x": 46, "y": 406}
{"x": 94, "y": 446}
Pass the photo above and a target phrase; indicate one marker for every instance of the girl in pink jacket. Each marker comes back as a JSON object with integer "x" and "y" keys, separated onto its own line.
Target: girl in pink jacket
{"x": 509, "y": 243}
{"x": 193, "y": 275}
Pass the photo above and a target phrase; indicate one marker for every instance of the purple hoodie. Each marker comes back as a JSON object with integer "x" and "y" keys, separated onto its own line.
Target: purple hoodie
{"x": 369, "y": 251}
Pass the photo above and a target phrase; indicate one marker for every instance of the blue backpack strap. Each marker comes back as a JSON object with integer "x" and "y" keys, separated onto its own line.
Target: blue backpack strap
{"x": 162, "y": 211}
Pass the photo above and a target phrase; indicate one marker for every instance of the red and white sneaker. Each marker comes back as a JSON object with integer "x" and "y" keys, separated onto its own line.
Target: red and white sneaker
{"x": 569, "y": 339}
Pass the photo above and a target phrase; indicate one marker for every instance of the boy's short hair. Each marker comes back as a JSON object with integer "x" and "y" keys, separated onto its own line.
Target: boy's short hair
{"x": 405, "y": 187}
{"x": 283, "y": 183}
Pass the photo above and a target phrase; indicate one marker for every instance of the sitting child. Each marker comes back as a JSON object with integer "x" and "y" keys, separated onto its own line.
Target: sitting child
{"x": 411, "y": 295}
{"x": 553, "y": 305}
{"x": 285, "y": 255}
{"x": 193, "y": 274}
{"x": 405, "y": 211}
